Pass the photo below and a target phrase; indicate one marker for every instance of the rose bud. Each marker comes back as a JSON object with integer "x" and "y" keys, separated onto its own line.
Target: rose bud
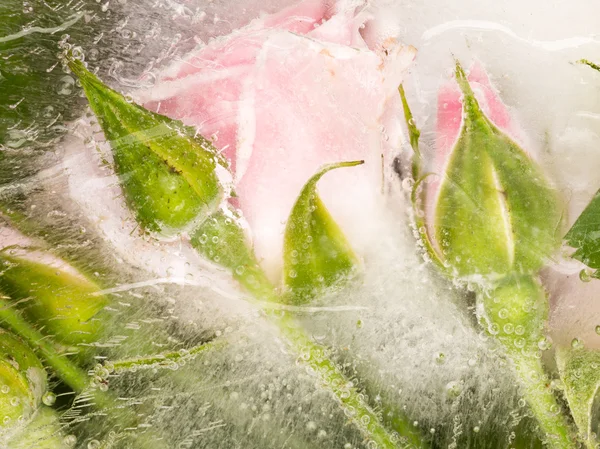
{"x": 172, "y": 178}
{"x": 49, "y": 291}
{"x": 491, "y": 211}
{"x": 493, "y": 219}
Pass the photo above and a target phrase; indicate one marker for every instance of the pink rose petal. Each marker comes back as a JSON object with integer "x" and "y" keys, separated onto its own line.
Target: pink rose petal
{"x": 285, "y": 95}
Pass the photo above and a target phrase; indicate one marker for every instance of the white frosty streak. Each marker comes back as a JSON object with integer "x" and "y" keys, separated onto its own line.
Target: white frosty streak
{"x": 485, "y": 25}
{"x": 18, "y": 245}
{"x": 72, "y": 20}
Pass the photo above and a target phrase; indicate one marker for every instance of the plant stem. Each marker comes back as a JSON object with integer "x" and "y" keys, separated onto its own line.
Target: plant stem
{"x": 162, "y": 360}
{"x": 355, "y": 407}
{"x": 362, "y": 415}
{"x": 539, "y": 395}
{"x": 519, "y": 301}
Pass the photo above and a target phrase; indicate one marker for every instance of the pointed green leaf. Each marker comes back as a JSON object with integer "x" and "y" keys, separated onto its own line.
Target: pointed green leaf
{"x": 496, "y": 212}
{"x": 580, "y": 372}
{"x": 171, "y": 177}
{"x": 584, "y": 235}
{"x": 64, "y": 302}
{"x": 221, "y": 239}
{"x": 316, "y": 254}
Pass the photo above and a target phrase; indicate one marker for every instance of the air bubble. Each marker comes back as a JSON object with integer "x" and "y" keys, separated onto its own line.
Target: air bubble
{"x": 585, "y": 275}
{"x": 70, "y": 440}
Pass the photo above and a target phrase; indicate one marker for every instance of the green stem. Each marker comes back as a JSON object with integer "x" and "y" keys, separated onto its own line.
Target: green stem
{"x": 590, "y": 64}
{"x": 541, "y": 399}
{"x": 362, "y": 415}
{"x": 315, "y": 357}
{"x": 516, "y": 311}
{"x": 165, "y": 360}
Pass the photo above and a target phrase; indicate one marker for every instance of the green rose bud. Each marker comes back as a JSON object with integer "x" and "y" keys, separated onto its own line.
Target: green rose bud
{"x": 55, "y": 296}
{"x": 493, "y": 212}
{"x": 172, "y": 178}
{"x": 22, "y": 381}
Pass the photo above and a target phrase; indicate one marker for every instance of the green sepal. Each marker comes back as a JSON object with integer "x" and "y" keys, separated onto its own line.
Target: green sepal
{"x": 63, "y": 303}
{"x": 171, "y": 177}
{"x": 515, "y": 311}
{"x": 222, "y": 240}
{"x": 495, "y": 213}
{"x": 316, "y": 254}
{"x": 580, "y": 372}
{"x": 23, "y": 381}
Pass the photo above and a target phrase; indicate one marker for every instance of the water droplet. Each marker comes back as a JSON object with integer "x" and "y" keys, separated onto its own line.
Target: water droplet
{"x": 585, "y": 275}
{"x": 576, "y": 343}
{"x": 65, "y": 86}
{"x": 70, "y": 440}
{"x": 440, "y": 358}
{"x": 453, "y": 389}
{"x": 544, "y": 344}
{"x": 508, "y": 328}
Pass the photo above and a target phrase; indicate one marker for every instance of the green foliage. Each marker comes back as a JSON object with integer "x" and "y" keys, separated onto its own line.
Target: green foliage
{"x": 584, "y": 235}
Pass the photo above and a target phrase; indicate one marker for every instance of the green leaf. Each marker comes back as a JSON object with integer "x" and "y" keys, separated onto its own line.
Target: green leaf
{"x": 63, "y": 301}
{"x": 316, "y": 254}
{"x": 496, "y": 212}
{"x": 584, "y": 235}
{"x": 170, "y": 176}
{"x": 580, "y": 372}
{"x": 221, "y": 239}
{"x": 37, "y": 97}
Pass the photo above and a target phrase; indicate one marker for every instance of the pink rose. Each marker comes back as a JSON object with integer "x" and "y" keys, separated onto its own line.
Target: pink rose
{"x": 283, "y": 96}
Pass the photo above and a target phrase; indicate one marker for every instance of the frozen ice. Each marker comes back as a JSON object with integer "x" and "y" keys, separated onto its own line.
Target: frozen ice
{"x": 406, "y": 337}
